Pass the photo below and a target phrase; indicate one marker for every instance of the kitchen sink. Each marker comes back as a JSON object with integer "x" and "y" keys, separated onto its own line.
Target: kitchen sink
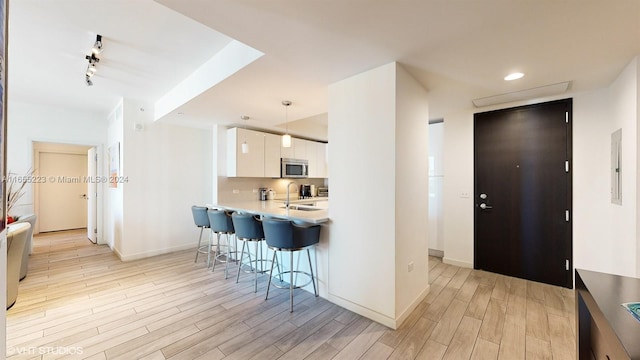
{"x": 301, "y": 208}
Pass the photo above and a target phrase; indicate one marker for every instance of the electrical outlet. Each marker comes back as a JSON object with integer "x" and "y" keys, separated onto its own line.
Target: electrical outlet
{"x": 410, "y": 267}
{"x": 236, "y": 191}
{"x": 255, "y": 191}
{"x": 464, "y": 194}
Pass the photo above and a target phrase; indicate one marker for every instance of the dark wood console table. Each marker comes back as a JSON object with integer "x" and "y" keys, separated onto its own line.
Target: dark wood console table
{"x": 605, "y": 329}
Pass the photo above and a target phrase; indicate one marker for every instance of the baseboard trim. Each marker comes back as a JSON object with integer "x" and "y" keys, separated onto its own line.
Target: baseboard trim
{"x": 360, "y": 310}
{"x": 436, "y": 253}
{"x": 146, "y": 254}
{"x": 456, "y": 262}
{"x": 401, "y": 319}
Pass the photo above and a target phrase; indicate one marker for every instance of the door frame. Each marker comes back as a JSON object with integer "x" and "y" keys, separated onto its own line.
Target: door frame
{"x": 569, "y": 281}
{"x": 38, "y": 146}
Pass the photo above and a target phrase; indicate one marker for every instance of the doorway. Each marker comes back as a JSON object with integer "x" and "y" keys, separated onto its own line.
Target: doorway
{"x": 522, "y": 190}
{"x": 60, "y": 202}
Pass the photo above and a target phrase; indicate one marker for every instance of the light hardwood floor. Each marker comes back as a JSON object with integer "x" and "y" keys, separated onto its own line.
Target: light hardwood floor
{"x": 80, "y": 301}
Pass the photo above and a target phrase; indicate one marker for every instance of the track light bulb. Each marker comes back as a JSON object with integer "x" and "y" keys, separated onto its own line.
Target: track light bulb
{"x": 97, "y": 46}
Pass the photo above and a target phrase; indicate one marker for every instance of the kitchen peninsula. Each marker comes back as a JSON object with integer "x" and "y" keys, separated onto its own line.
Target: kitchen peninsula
{"x": 299, "y": 211}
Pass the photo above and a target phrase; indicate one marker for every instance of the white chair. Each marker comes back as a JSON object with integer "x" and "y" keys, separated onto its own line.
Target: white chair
{"x": 28, "y": 248}
{"x": 16, "y": 241}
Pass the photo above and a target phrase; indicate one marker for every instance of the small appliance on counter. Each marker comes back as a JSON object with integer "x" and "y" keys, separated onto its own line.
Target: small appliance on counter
{"x": 305, "y": 191}
{"x": 323, "y": 192}
{"x": 263, "y": 194}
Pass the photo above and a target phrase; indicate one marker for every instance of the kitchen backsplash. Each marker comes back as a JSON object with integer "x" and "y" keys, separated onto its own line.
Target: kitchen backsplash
{"x": 245, "y": 187}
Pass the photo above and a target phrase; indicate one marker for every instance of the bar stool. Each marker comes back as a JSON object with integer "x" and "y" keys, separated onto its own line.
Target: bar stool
{"x": 202, "y": 221}
{"x": 283, "y": 235}
{"x": 221, "y": 224}
{"x": 249, "y": 229}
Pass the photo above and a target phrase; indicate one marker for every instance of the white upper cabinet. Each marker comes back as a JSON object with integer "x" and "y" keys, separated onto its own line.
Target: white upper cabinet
{"x": 265, "y": 150}
{"x": 272, "y": 155}
{"x": 300, "y": 148}
{"x": 317, "y": 154}
{"x": 250, "y": 164}
{"x": 287, "y": 152}
{"x": 321, "y": 160}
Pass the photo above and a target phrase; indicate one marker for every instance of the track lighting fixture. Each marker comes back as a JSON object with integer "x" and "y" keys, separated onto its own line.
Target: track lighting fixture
{"x": 93, "y": 60}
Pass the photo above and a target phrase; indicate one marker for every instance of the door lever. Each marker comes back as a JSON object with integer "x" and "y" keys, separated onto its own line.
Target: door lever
{"x": 484, "y": 206}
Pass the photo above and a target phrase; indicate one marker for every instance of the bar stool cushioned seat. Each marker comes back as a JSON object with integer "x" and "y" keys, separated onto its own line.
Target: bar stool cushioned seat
{"x": 202, "y": 221}
{"x": 283, "y": 235}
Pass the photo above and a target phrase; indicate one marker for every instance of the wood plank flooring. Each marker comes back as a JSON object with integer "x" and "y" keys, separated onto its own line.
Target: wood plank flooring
{"x": 79, "y": 301}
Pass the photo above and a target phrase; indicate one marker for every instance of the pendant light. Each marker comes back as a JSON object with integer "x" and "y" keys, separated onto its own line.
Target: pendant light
{"x": 286, "y": 138}
{"x": 245, "y": 146}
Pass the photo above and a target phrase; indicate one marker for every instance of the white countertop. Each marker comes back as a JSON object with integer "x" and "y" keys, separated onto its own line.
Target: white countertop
{"x": 275, "y": 208}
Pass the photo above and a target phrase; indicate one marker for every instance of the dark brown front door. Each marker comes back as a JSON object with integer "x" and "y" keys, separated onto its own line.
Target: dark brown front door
{"x": 523, "y": 192}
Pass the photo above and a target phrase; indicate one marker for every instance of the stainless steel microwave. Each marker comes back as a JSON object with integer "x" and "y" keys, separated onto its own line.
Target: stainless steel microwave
{"x": 294, "y": 168}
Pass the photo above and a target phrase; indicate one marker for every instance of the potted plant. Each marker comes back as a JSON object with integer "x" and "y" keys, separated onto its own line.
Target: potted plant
{"x": 16, "y": 190}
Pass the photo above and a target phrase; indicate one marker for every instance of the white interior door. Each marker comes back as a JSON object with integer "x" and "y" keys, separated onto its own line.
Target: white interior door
{"x": 92, "y": 195}
{"x": 62, "y": 198}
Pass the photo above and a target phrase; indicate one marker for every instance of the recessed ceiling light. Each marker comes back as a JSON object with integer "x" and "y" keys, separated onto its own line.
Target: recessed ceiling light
{"x": 513, "y": 76}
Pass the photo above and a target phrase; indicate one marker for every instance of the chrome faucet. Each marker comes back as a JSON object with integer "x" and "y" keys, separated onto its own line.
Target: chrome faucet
{"x": 286, "y": 204}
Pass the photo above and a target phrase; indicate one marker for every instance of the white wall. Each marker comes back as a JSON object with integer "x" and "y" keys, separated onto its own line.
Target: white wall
{"x": 436, "y": 179}
{"x": 637, "y": 89}
{"x": 28, "y": 122}
{"x": 592, "y": 208}
{"x": 604, "y": 235}
{"x": 458, "y": 172}
{"x": 169, "y": 169}
{"x": 623, "y": 114}
{"x": 114, "y": 203}
{"x": 362, "y": 263}
{"x": 411, "y": 193}
{"x": 373, "y": 110}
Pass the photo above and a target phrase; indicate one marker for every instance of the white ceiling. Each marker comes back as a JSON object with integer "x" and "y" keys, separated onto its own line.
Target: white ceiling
{"x": 459, "y": 50}
{"x": 147, "y": 50}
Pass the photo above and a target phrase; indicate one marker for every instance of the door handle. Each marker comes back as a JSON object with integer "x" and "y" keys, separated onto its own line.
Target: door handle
{"x": 484, "y": 206}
